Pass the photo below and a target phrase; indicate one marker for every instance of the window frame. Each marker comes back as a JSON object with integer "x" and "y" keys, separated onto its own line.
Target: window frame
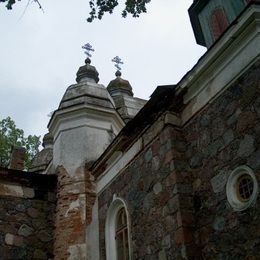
{"x": 233, "y": 197}
{"x": 111, "y": 228}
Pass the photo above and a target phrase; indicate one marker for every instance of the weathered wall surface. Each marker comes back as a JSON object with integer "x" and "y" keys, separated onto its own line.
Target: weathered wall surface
{"x": 176, "y": 188}
{"x": 225, "y": 135}
{"x": 27, "y": 207}
{"x": 160, "y": 222}
{"x": 75, "y": 199}
{"x": 70, "y": 216}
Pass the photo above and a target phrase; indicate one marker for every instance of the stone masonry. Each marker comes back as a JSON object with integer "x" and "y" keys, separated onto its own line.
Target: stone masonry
{"x": 27, "y": 206}
{"x": 175, "y": 188}
{"x": 152, "y": 186}
{"x": 225, "y": 135}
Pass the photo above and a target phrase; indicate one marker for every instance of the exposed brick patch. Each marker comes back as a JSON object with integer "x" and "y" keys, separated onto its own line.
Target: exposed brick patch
{"x": 75, "y": 199}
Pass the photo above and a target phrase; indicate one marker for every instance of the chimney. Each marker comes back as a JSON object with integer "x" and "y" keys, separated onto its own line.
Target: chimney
{"x": 17, "y": 158}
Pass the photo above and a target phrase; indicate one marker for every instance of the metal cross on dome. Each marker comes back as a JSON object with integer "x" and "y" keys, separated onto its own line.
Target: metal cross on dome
{"x": 88, "y": 48}
{"x": 117, "y": 61}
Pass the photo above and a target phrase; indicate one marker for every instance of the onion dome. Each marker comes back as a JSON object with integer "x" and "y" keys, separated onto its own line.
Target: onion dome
{"x": 87, "y": 73}
{"x": 119, "y": 86}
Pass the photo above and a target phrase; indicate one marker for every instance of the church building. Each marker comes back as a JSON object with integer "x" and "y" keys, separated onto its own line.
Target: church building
{"x": 174, "y": 177}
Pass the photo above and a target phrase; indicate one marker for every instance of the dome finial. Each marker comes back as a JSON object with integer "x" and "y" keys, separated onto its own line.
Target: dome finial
{"x": 87, "y": 72}
{"x": 88, "y": 48}
{"x": 117, "y": 61}
{"x": 118, "y": 73}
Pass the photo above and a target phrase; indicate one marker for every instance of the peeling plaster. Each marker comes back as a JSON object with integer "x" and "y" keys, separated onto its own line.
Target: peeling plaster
{"x": 78, "y": 205}
{"x": 74, "y": 205}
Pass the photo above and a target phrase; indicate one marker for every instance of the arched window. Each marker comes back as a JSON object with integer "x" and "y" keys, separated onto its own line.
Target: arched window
{"x": 218, "y": 22}
{"x": 117, "y": 231}
{"x": 122, "y": 235}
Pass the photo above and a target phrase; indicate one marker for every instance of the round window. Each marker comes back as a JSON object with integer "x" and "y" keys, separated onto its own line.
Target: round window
{"x": 245, "y": 187}
{"x": 242, "y": 188}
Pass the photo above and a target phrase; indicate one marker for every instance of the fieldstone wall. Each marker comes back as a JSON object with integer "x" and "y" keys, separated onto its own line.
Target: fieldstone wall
{"x": 158, "y": 194}
{"x": 176, "y": 188}
{"x": 27, "y": 206}
{"x": 225, "y": 135}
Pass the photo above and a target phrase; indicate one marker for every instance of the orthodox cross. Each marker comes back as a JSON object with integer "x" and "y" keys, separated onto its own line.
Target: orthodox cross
{"x": 117, "y": 61}
{"x": 88, "y": 48}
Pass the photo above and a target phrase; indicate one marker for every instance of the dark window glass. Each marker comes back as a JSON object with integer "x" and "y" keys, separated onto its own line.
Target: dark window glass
{"x": 245, "y": 187}
{"x": 122, "y": 236}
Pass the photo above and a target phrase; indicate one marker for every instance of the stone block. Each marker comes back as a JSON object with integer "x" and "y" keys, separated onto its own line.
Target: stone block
{"x": 20, "y": 207}
{"x": 168, "y": 157}
{"x": 155, "y": 163}
{"x": 215, "y": 147}
{"x": 157, "y": 188}
{"x": 171, "y": 179}
{"x": 219, "y": 223}
{"x": 148, "y": 201}
{"x": 228, "y": 136}
{"x": 233, "y": 119}
{"x": 205, "y": 120}
{"x": 246, "y": 146}
{"x": 166, "y": 241}
{"x": 32, "y": 212}
{"x": 25, "y": 230}
{"x": 205, "y": 138}
{"x": 13, "y": 240}
{"x": 148, "y": 155}
{"x": 11, "y": 190}
{"x": 219, "y": 181}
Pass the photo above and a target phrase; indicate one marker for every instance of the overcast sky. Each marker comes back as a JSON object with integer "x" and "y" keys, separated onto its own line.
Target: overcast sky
{"x": 41, "y": 52}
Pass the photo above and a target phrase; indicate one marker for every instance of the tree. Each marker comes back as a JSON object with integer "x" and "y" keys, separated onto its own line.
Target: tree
{"x": 100, "y": 7}
{"x": 11, "y": 136}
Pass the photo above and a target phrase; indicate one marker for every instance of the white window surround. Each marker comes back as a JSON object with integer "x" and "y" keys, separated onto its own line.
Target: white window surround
{"x": 110, "y": 229}
{"x": 231, "y": 188}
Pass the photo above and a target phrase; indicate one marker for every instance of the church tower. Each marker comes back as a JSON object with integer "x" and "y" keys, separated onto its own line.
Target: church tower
{"x": 82, "y": 127}
{"x": 210, "y": 18}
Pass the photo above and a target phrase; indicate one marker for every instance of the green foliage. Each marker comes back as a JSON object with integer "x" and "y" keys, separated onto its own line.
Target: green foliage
{"x": 11, "y": 136}
{"x": 9, "y": 3}
{"x": 100, "y": 7}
